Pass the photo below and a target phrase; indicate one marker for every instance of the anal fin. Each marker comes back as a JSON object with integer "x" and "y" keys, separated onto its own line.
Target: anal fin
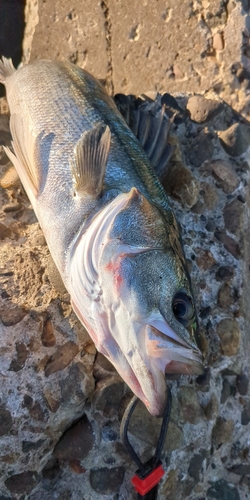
{"x": 90, "y": 159}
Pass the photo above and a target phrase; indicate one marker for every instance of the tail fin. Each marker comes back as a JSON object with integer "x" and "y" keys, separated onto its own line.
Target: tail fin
{"x": 6, "y": 69}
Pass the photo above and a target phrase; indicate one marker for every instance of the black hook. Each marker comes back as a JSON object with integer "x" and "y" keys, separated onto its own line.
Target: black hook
{"x": 148, "y": 475}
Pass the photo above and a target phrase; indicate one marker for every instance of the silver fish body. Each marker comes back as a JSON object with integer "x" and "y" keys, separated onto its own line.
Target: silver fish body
{"x": 107, "y": 221}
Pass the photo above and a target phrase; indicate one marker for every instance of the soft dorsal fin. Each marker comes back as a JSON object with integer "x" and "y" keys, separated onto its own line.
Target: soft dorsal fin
{"x": 90, "y": 160}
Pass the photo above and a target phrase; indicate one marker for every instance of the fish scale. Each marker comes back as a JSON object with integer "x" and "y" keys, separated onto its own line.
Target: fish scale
{"x": 107, "y": 221}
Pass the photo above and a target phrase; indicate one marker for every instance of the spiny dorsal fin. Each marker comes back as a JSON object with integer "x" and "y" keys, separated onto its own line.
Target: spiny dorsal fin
{"x": 149, "y": 122}
{"x": 6, "y": 69}
{"x": 90, "y": 160}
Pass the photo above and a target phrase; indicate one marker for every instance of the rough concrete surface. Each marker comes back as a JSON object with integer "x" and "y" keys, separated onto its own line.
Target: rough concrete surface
{"x": 60, "y": 402}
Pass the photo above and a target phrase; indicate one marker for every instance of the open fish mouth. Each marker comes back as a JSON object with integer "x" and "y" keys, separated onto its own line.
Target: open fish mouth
{"x": 164, "y": 355}
{"x": 172, "y": 353}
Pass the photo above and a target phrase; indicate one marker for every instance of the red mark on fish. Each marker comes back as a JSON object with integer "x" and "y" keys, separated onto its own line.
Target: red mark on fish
{"x": 115, "y": 269}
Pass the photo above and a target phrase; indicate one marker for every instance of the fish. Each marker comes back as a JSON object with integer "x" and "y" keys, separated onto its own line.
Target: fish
{"x": 108, "y": 223}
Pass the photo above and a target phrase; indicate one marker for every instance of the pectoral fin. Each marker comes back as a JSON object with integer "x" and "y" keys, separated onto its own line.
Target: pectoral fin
{"x": 90, "y": 160}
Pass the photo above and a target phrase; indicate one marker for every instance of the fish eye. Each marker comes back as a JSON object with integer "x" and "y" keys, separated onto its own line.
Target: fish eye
{"x": 183, "y": 308}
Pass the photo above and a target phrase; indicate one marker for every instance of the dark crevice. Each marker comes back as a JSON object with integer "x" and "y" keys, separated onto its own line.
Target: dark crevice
{"x": 108, "y": 30}
{"x": 12, "y": 31}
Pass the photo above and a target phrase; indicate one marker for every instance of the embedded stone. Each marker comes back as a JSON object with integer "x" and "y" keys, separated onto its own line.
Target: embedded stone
{"x": 12, "y": 207}
{"x": 245, "y": 415}
{"x": 211, "y": 409}
{"x": 195, "y": 466}
{"x": 78, "y": 385}
{"x": 5, "y": 136}
{"x": 19, "y": 362}
{"x": 226, "y": 391}
{"x": 37, "y": 412}
{"x": 218, "y": 41}
{"x": 242, "y": 383}
{"x": 48, "y": 337}
{"x": 10, "y": 458}
{"x": 235, "y": 450}
{"x": 222, "y": 431}
{"x": 170, "y": 484}
{"x": 229, "y": 334}
{"x": 22, "y": 483}
{"x": 221, "y": 490}
{"x": 203, "y": 380}
{"x": 201, "y": 149}
{"x": 175, "y": 437}
{"x": 240, "y": 469}
{"x": 52, "y": 403}
{"x": 210, "y": 195}
{"x": 245, "y": 482}
{"x": 3, "y": 158}
{"x": 225, "y": 298}
{"x": 229, "y": 244}
{"x": 210, "y": 226}
{"x": 10, "y": 317}
{"x": 182, "y": 185}
{"x": 233, "y": 217}
{"x": 202, "y": 110}
{"x": 204, "y": 259}
{"x": 108, "y": 395}
{"x": 234, "y": 368}
{"x": 37, "y": 239}
{"x": 75, "y": 465}
{"x": 89, "y": 347}
{"x": 10, "y": 179}
{"x": 34, "y": 408}
{"x": 241, "y": 198}
{"x": 5, "y": 232}
{"x": 106, "y": 480}
{"x": 28, "y": 446}
{"x": 190, "y": 406}
{"x": 76, "y": 442}
{"x": 5, "y": 421}
{"x": 199, "y": 207}
{"x": 27, "y": 401}
{"x": 225, "y": 175}
{"x": 225, "y": 273}
{"x": 61, "y": 358}
{"x": 236, "y": 139}
{"x": 178, "y": 73}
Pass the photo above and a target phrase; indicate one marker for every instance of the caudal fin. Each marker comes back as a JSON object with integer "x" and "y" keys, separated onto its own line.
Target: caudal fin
{"x": 6, "y": 69}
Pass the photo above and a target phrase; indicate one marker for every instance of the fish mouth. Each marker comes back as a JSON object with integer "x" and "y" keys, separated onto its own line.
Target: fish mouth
{"x": 165, "y": 353}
